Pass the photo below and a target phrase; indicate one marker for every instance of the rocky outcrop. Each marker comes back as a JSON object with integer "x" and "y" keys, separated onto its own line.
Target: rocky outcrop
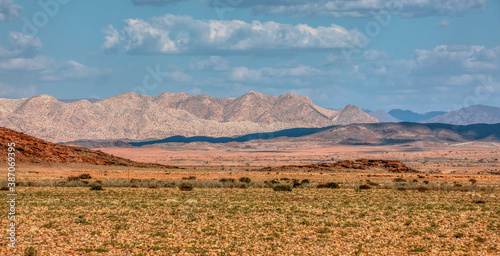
{"x": 359, "y": 164}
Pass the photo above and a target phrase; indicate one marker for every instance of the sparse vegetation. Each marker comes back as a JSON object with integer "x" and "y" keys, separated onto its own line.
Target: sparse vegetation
{"x": 186, "y": 187}
{"x": 245, "y": 180}
{"x": 282, "y": 187}
{"x": 327, "y": 216}
{"x": 96, "y": 187}
{"x": 328, "y": 185}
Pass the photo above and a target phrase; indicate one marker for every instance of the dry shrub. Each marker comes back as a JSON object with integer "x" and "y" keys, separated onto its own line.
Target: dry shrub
{"x": 329, "y": 185}
{"x": 186, "y": 187}
{"x": 282, "y": 188}
{"x": 364, "y": 186}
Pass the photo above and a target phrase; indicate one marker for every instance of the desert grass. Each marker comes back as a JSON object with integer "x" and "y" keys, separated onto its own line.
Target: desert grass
{"x": 225, "y": 221}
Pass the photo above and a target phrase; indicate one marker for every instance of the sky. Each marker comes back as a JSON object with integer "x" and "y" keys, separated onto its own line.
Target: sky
{"x": 377, "y": 54}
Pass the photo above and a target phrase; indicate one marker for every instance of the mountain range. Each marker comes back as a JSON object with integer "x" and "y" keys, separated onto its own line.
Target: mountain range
{"x": 412, "y": 117}
{"x": 138, "y": 117}
{"x": 352, "y": 134}
{"x": 475, "y": 114}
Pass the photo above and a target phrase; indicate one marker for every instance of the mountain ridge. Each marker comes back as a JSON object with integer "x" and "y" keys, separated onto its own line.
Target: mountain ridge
{"x": 139, "y": 117}
{"x": 475, "y": 114}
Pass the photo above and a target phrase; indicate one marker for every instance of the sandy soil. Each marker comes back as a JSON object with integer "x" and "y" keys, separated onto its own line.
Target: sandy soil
{"x": 468, "y": 158}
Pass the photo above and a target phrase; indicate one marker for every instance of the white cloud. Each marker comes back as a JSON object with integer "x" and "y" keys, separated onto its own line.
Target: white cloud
{"x": 356, "y": 8}
{"x": 27, "y": 64}
{"x": 213, "y": 63}
{"x": 272, "y": 75}
{"x": 9, "y": 11}
{"x": 7, "y": 90}
{"x": 172, "y": 34}
{"x": 446, "y": 59}
{"x": 20, "y": 45}
{"x": 49, "y": 69}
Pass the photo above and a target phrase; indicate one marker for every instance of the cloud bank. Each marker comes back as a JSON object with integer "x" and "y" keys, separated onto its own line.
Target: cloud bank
{"x": 171, "y": 34}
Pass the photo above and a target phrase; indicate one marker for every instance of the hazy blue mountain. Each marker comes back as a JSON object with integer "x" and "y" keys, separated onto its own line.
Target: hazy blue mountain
{"x": 410, "y": 116}
{"x": 476, "y": 114}
{"x": 383, "y": 116}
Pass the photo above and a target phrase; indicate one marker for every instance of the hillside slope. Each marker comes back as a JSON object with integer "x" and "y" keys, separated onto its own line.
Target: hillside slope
{"x": 32, "y": 150}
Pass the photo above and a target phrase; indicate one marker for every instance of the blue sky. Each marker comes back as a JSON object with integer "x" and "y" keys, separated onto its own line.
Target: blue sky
{"x": 377, "y": 54}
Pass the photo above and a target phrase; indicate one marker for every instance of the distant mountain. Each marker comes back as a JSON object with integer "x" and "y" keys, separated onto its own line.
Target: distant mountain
{"x": 352, "y": 134}
{"x": 393, "y": 133}
{"x": 352, "y": 114}
{"x": 33, "y": 150}
{"x": 383, "y": 116}
{"x": 410, "y": 116}
{"x": 477, "y": 114}
{"x": 139, "y": 117}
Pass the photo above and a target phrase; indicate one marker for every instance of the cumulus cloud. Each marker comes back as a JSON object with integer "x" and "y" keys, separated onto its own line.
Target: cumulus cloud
{"x": 172, "y": 34}
{"x": 7, "y": 90}
{"x": 9, "y": 11}
{"x": 20, "y": 45}
{"x": 49, "y": 69}
{"x": 355, "y": 8}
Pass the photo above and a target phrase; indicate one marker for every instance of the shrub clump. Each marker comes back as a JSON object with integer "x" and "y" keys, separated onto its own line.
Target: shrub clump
{"x": 422, "y": 189}
{"x": 329, "y": 185}
{"x": 245, "y": 180}
{"x": 399, "y": 180}
{"x": 189, "y": 178}
{"x": 186, "y": 187}
{"x": 282, "y": 188}
{"x": 73, "y": 178}
{"x": 364, "y": 186}
{"x": 95, "y": 187}
{"x": 85, "y": 176}
{"x": 31, "y": 251}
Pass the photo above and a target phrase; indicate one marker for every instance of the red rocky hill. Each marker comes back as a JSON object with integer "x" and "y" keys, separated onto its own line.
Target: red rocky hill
{"x": 33, "y": 150}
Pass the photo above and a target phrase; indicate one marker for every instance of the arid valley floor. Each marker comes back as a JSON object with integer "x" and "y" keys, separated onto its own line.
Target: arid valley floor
{"x": 451, "y": 207}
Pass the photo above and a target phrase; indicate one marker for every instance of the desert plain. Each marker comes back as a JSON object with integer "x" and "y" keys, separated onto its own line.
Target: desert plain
{"x": 221, "y": 200}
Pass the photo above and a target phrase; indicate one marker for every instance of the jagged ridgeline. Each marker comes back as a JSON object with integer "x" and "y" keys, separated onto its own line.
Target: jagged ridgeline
{"x": 139, "y": 117}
